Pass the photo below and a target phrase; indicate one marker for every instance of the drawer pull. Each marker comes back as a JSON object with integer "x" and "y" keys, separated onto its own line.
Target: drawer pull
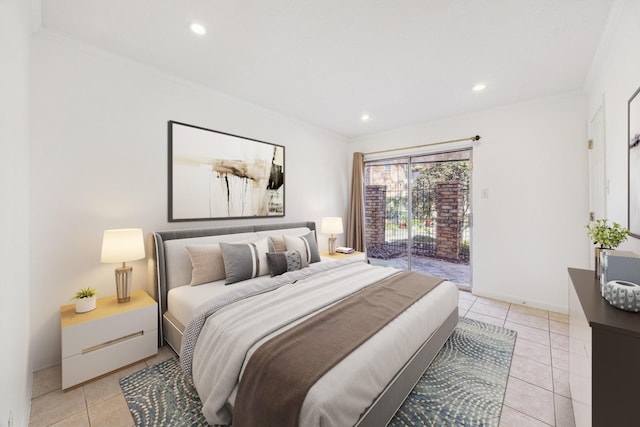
{"x": 108, "y": 343}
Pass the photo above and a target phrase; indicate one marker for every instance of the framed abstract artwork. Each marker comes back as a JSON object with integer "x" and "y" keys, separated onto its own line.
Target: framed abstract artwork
{"x": 217, "y": 175}
{"x": 634, "y": 164}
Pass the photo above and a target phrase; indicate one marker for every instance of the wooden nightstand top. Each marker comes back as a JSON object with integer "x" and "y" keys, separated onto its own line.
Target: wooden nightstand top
{"x": 105, "y": 307}
{"x": 339, "y": 255}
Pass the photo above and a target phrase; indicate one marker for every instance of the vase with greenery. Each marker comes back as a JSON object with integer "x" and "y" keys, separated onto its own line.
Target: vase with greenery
{"x": 85, "y": 300}
{"x": 605, "y": 236}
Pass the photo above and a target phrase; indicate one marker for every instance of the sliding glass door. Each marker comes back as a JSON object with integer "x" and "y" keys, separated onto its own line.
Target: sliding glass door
{"x": 418, "y": 214}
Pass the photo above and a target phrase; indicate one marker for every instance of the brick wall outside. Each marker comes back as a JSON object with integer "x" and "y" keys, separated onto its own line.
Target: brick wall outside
{"x": 374, "y": 213}
{"x": 450, "y": 212}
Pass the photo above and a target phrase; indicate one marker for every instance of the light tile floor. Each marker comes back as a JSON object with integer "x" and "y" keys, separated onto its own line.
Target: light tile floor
{"x": 537, "y": 390}
{"x": 538, "y": 387}
{"x": 97, "y": 403}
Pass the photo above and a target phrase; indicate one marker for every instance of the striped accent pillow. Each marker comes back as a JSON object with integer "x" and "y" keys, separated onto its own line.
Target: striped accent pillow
{"x": 244, "y": 261}
{"x": 306, "y": 245}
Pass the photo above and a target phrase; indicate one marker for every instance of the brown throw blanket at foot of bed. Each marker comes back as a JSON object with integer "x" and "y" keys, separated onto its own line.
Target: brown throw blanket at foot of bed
{"x": 281, "y": 372}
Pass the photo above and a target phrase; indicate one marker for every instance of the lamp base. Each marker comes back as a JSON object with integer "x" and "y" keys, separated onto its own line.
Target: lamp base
{"x": 123, "y": 283}
{"x": 332, "y": 245}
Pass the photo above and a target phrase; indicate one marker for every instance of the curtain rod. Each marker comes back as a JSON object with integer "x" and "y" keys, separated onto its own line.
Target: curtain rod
{"x": 471, "y": 138}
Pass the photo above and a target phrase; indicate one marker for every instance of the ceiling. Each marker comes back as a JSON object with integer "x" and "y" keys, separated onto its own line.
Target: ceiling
{"x": 326, "y": 62}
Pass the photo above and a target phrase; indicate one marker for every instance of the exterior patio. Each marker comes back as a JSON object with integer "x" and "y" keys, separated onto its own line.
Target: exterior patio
{"x": 458, "y": 273}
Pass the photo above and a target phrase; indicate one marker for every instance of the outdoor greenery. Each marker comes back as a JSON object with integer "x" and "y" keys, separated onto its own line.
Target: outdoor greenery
{"x": 423, "y": 193}
{"x": 397, "y": 209}
{"x": 401, "y": 223}
{"x": 424, "y": 200}
{"x": 606, "y": 236}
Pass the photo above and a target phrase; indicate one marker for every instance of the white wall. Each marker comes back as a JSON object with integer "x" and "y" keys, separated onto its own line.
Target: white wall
{"x": 99, "y": 161}
{"x": 614, "y": 78}
{"x": 532, "y": 159}
{"x": 15, "y": 369}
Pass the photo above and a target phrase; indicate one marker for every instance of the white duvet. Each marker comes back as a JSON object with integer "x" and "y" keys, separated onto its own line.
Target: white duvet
{"x": 229, "y": 334}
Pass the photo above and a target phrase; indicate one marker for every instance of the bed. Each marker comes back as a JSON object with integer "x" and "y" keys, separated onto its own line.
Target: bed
{"x": 364, "y": 388}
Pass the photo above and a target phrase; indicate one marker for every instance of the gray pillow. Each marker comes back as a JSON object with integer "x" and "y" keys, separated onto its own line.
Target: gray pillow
{"x": 306, "y": 244}
{"x": 244, "y": 261}
{"x": 281, "y": 262}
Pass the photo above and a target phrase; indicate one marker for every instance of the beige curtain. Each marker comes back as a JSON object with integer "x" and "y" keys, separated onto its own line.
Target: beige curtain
{"x": 355, "y": 227}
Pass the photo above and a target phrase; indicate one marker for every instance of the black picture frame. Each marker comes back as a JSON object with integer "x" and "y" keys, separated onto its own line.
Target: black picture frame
{"x": 217, "y": 175}
{"x": 633, "y": 144}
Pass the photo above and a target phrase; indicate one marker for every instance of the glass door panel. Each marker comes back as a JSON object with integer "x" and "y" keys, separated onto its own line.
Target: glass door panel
{"x": 418, "y": 214}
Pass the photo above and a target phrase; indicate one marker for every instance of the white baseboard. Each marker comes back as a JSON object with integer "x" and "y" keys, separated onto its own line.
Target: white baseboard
{"x": 522, "y": 301}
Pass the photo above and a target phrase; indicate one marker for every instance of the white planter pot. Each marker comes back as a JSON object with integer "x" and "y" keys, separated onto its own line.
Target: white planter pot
{"x": 85, "y": 304}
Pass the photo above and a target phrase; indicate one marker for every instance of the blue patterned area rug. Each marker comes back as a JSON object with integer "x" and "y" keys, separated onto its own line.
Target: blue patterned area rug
{"x": 465, "y": 383}
{"x": 464, "y": 386}
{"x": 161, "y": 395}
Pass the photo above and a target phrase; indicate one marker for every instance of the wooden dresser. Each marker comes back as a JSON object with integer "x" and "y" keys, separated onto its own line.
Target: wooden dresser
{"x": 604, "y": 356}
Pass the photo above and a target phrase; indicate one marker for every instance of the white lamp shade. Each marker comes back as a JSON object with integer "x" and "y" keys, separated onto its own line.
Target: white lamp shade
{"x": 331, "y": 225}
{"x": 121, "y": 245}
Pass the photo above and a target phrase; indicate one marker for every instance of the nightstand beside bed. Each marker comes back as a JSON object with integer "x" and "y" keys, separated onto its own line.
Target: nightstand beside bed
{"x": 338, "y": 256}
{"x": 108, "y": 338}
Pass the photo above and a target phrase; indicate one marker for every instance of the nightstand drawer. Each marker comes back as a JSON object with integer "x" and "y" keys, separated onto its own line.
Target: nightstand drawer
{"x": 109, "y": 357}
{"x": 83, "y": 336}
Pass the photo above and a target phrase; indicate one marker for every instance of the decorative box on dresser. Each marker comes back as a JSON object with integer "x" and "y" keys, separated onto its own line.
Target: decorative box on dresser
{"x": 108, "y": 338}
{"x": 604, "y": 356}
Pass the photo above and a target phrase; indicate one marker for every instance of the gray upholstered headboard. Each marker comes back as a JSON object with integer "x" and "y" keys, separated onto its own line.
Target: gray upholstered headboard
{"x": 159, "y": 256}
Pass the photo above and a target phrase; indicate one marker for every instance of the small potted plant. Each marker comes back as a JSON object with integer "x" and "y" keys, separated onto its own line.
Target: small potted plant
{"x": 605, "y": 236}
{"x": 85, "y": 300}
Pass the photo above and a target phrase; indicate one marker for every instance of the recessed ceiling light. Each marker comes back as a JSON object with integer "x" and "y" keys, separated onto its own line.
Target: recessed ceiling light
{"x": 479, "y": 87}
{"x": 198, "y": 29}
{"x": 365, "y": 117}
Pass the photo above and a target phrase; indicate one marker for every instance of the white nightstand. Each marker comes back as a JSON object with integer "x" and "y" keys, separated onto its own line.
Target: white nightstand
{"x": 338, "y": 256}
{"x": 108, "y": 338}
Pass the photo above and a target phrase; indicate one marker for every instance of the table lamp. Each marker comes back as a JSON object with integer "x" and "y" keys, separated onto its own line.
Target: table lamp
{"x": 331, "y": 225}
{"x": 122, "y": 245}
